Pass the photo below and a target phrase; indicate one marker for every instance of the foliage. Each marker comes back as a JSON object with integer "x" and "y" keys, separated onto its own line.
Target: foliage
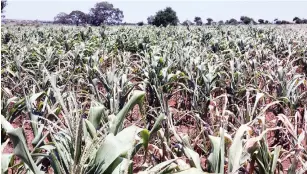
{"x": 198, "y": 21}
{"x": 62, "y": 18}
{"x": 247, "y": 20}
{"x": 127, "y": 99}
{"x": 165, "y": 17}
{"x": 3, "y": 5}
{"x": 261, "y": 21}
{"x": 105, "y": 13}
{"x": 187, "y": 23}
{"x": 210, "y": 20}
{"x": 78, "y": 17}
{"x": 102, "y": 13}
{"x": 140, "y": 23}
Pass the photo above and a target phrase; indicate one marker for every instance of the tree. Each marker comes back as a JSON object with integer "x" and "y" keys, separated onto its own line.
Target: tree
{"x": 221, "y": 22}
{"x": 266, "y": 22}
{"x": 140, "y": 23}
{"x": 297, "y": 20}
{"x": 261, "y": 21}
{"x": 198, "y": 21}
{"x": 105, "y": 13}
{"x": 3, "y": 5}
{"x": 209, "y": 21}
{"x": 78, "y": 17}
{"x": 150, "y": 20}
{"x": 285, "y": 22}
{"x": 187, "y": 23}
{"x": 165, "y": 17}
{"x": 232, "y": 21}
{"x": 62, "y": 18}
{"x": 246, "y": 20}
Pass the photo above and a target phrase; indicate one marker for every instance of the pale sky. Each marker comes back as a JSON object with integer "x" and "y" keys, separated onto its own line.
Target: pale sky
{"x": 135, "y": 11}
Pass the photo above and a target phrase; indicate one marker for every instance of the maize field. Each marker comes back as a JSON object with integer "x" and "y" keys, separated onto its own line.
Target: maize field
{"x": 151, "y": 100}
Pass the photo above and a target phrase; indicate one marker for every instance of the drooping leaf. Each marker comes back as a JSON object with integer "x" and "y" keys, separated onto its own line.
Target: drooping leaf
{"x": 96, "y": 114}
{"x": 137, "y": 98}
{"x": 21, "y": 150}
{"x": 236, "y": 149}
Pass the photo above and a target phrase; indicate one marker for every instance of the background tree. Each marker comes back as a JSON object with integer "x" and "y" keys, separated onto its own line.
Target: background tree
{"x": 78, "y": 17}
{"x": 150, "y": 20}
{"x": 165, "y": 17}
{"x": 266, "y": 22}
{"x": 246, "y": 20}
{"x": 209, "y": 21}
{"x": 187, "y": 23}
{"x": 232, "y": 21}
{"x": 198, "y": 21}
{"x": 297, "y": 20}
{"x": 141, "y": 23}
{"x": 221, "y": 22}
{"x": 285, "y": 22}
{"x": 3, "y": 5}
{"x": 261, "y": 21}
{"x": 105, "y": 13}
{"x": 62, "y": 18}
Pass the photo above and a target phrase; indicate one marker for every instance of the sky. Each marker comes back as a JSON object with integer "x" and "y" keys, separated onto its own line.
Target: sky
{"x": 136, "y": 11}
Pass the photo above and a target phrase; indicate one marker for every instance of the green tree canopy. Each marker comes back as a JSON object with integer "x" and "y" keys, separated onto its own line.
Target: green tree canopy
{"x": 105, "y": 13}
{"x": 209, "y": 21}
{"x": 78, "y": 17}
{"x": 165, "y": 17}
{"x": 62, "y": 18}
{"x": 198, "y": 21}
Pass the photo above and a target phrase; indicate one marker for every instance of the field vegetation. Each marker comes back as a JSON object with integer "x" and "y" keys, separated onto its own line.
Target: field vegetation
{"x": 195, "y": 99}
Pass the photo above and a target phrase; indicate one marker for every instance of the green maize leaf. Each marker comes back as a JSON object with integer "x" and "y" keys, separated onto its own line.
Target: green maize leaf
{"x": 96, "y": 114}
{"x": 215, "y": 156}
{"x": 6, "y": 161}
{"x": 78, "y": 142}
{"x": 21, "y": 150}
{"x": 137, "y": 98}
{"x": 159, "y": 167}
{"x": 5, "y": 124}
{"x": 145, "y": 138}
{"x": 118, "y": 166}
{"x": 157, "y": 124}
{"x": 31, "y": 104}
{"x": 114, "y": 147}
{"x": 38, "y": 136}
{"x": 55, "y": 163}
{"x": 275, "y": 158}
{"x": 236, "y": 149}
{"x": 90, "y": 128}
{"x": 193, "y": 157}
{"x": 258, "y": 97}
{"x": 107, "y": 153}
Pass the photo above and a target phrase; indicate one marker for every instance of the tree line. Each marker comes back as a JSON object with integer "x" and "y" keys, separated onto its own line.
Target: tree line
{"x": 106, "y": 13}
{"x": 101, "y": 13}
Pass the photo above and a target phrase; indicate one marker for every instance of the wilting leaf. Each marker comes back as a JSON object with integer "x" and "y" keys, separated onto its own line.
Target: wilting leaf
{"x": 90, "y": 128}
{"x": 137, "y": 98}
{"x": 6, "y": 162}
{"x": 275, "y": 158}
{"x": 21, "y": 150}
{"x": 96, "y": 114}
{"x": 193, "y": 157}
{"x": 236, "y": 149}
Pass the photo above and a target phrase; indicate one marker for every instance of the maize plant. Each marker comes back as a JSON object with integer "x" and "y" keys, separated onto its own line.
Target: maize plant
{"x": 127, "y": 99}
